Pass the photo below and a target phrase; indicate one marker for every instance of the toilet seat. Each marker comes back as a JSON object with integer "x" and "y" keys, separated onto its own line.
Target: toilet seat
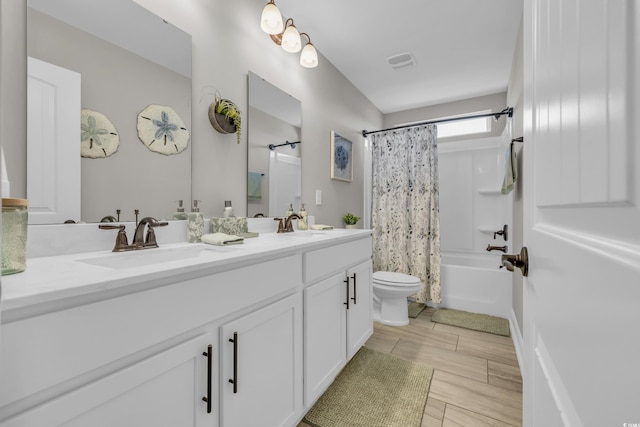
{"x": 389, "y": 278}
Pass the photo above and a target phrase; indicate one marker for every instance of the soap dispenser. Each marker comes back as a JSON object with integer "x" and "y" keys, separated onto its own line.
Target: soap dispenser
{"x": 290, "y": 211}
{"x": 303, "y": 223}
{"x": 195, "y": 224}
{"x": 180, "y": 213}
{"x": 228, "y": 209}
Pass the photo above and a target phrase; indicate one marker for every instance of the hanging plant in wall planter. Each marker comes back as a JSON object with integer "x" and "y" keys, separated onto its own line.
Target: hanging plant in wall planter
{"x": 225, "y": 116}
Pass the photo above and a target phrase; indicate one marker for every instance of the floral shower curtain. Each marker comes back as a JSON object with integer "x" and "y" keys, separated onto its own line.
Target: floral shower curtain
{"x": 404, "y": 212}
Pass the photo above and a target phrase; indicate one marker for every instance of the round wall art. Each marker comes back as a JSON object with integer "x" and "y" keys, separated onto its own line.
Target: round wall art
{"x": 162, "y": 130}
{"x": 98, "y": 136}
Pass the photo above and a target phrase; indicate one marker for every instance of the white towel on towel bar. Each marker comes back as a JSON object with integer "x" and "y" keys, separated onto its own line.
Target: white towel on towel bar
{"x": 510, "y": 170}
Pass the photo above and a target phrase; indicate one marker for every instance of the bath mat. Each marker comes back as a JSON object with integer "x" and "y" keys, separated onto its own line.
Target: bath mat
{"x": 477, "y": 322}
{"x": 415, "y": 308}
{"x": 374, "y": 390}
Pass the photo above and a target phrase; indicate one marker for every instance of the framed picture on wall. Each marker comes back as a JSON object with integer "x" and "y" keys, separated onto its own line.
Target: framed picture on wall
{"x": 341, "y": 158}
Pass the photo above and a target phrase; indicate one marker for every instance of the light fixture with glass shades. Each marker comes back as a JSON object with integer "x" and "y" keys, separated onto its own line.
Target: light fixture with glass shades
{"x": 271, "y": 20}
{"x": 285, "y": 34}
{"x": 309, "y": 55}
{"x": 291, "y": 38}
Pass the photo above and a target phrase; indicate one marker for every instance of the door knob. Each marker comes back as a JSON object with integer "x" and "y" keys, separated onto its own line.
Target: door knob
{"x": 520, "y": 260}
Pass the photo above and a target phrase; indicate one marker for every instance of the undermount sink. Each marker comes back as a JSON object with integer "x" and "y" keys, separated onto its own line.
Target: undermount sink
{"x": 146, "y": 257}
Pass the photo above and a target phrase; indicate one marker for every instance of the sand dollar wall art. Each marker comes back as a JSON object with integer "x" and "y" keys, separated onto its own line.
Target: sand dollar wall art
{"x": 98, "y": 136}
{"x": 162, "y": 130}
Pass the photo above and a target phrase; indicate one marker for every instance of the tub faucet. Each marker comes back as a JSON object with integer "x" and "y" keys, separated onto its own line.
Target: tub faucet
{"x": 149, "y": 241}
{"x": 497, "y": 248}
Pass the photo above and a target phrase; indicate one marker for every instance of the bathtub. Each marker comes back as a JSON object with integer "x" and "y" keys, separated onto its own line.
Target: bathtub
{"x": 473, "y": 282}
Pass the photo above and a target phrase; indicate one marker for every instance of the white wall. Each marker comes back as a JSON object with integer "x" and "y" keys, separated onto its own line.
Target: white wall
{"x": 495, "y": 102}
{"x": 227, "y": 43}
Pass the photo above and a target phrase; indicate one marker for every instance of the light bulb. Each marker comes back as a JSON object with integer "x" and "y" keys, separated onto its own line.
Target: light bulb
{"x": 291, "y": 39}
{"x": 309, "y": 56}
{"x": 271, "y": 20}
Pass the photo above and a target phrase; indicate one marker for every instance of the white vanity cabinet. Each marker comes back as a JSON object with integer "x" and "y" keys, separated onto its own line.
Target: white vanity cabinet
{"x": 337, "y": 311}
{"x": 139, "y": 352}
{"x": 131, "y": 347}
{"x": 261, "y": 366}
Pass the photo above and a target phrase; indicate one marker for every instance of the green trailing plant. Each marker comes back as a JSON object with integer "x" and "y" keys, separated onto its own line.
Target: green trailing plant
{"x": 231, "y": 111}
{"x": 350, "y": 219}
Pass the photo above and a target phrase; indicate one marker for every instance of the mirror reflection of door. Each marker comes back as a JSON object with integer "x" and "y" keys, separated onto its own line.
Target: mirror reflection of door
{"x": 274, "y": 173}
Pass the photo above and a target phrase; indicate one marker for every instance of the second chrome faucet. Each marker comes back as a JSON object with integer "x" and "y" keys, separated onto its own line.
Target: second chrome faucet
{"x": 285, "y": 225}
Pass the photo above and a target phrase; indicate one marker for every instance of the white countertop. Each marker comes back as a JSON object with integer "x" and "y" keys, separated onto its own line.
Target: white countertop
{"x": 55, "y": 280}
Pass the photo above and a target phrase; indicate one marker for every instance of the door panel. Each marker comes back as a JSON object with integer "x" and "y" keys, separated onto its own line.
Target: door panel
{"x": 582, "y": 223}
{"x": 53, "y": 138}
{"x": 360, "y": 313}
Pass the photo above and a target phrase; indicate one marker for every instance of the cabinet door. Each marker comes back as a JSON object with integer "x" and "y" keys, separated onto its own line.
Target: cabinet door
{"x": 325, "y": 335}
{"x": 163, "y": 390}
{"x": 261, "y": 375}
{"x": 360, "y": 313}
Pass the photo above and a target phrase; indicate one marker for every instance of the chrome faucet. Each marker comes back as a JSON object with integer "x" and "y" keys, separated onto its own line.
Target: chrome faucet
{"x": 139, "y": 239}
{"x": 285, "y": 225}
{"x": 149, "y": 241}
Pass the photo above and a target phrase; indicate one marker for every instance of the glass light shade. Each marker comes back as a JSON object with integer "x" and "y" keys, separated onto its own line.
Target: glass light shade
{"x": 271, "y": 20}
{"x": 291, "y": 39}
{"x": 309, "y": 56}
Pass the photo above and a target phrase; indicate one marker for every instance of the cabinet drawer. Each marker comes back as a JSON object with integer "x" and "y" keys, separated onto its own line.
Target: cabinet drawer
{"x": 46, "y": 350}
{"x": 324, "y": 262}
{"x": 163, "y": 390}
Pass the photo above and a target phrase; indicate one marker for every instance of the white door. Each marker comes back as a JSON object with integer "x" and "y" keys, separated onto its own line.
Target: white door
{"x": 582, "y": 222}
{"x": 53, "y": 143}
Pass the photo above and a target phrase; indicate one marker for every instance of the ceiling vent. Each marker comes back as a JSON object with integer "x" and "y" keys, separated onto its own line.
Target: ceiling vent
{"x": 401, "y": 60}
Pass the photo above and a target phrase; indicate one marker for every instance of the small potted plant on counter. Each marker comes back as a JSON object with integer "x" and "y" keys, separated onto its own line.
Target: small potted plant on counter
{"x": 350, "y": 220}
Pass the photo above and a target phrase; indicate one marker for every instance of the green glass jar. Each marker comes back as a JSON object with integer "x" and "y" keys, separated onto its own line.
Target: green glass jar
{"x": 14, "y": 235}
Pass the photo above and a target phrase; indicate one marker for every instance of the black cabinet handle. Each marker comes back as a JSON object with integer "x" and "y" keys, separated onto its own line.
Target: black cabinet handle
{"x": 354, "y": 288}
{"x": 347, "y": 282}
{"x": 209, "y": 355}
{"x": 234, "y": 380}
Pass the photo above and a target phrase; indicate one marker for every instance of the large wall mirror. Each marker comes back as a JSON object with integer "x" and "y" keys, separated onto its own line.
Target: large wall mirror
{"x": 274, "y": 153}
{"x": 128, "y": 59}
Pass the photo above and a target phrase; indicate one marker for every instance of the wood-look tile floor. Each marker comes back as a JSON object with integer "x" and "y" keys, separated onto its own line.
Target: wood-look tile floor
{"x": 476, "y": 379}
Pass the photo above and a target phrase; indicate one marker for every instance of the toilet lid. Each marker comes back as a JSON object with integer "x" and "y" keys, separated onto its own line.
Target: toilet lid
{"x": 391, "y": 278}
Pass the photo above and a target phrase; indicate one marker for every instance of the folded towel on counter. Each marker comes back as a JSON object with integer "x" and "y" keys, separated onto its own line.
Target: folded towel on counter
{"x": 221, "y": 239}
{"x": 248, "y": 234}
{"x": 321, "y": 227}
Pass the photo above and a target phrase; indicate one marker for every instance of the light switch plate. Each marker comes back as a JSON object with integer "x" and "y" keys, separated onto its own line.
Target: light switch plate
{"x": 318, "y": 197}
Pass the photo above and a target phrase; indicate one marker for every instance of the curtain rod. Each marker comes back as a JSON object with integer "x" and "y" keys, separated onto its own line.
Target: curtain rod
{"x": 508, "y": 111}
{"x": 292, "y": 144}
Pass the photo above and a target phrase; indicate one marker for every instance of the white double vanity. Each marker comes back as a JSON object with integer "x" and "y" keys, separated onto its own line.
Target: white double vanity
{"x": 185, "y": 334}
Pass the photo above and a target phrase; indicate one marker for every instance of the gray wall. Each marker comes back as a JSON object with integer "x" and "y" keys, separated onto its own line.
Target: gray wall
{"x": 13, "y": 87}
{"x": 227, "y": 42}
{"x": 120, "y": 84}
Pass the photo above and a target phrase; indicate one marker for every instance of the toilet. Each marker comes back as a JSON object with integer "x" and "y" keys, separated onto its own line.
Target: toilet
{"x": 390, "y": 292}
